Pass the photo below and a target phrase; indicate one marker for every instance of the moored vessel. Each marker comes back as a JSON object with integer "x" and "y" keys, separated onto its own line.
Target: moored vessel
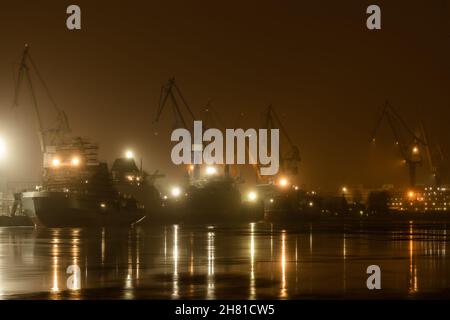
{"x": 78, "y": 190}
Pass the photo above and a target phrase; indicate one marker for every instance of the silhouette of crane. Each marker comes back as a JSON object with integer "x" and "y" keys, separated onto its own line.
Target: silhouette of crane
{"x": 55, "y": 134}
{"x": 289, "y": 157}
{"x": 408, "y": 142}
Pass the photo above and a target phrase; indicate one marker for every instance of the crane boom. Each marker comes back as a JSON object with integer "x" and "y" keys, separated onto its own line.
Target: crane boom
{"x": 409, "y": 150}
{"x": 24, "y": 71}
{"x": 171, "y": 90}
{"x": 290, "y": 159}
{"x": 51, "y": 135}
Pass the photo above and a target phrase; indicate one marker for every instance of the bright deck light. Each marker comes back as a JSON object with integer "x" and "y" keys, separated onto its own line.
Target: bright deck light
{"x": 252, "y": 196}
{"x": 56, "y": 162}
{"x": 176, "y": 192}
{"x": 211, "y": 170}
{"x": 283, "y": 182}
{"x": 129, "y": 154}
{"x": 75, "y": 161}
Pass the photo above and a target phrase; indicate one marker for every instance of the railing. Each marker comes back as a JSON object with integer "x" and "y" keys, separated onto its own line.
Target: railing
{"x": 6, "y": 206}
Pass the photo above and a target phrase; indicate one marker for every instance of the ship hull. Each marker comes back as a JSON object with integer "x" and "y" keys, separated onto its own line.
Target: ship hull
{"x": 64, "y": 209}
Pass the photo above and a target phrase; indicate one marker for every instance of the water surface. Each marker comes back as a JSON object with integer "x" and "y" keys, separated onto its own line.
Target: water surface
{"x": 248, "y": 261}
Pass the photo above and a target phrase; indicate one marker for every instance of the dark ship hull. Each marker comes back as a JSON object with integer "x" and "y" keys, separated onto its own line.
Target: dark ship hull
{"x": 217, "y": 201}
{"x": 290, "y": 205}
{"x": 65, "y": 209}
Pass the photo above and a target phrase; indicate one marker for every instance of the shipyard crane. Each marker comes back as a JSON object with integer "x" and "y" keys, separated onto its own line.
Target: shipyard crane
{"x": 408, "y": 142}
{"x": 435, "y": 156}
{"x": 171, "y": 91}
{"x": 290, "y": 158}
{"x": 55, "y": 134}
{"x": 212, "y": 119}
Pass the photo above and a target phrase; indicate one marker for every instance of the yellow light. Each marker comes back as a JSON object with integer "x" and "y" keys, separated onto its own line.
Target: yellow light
{"x": 103, "y": 205}
{"x": 283, "y": 182}
{"x": 191, "y": 167}
{"x": 210, "y": 170}
{"x": 56, "y": 162}
{"x": 2, "y": 148}
{"x": 75, "y": 161}
{"x": 415, "y": 150}
{"x": 130, "y": 178}
{"x": 176, "y": 192}
{"x": 129, "y": 154}
{"x": 311, "y": 204}
{"x": 411, "y": 194}
{"x": 271, "y": 200}
{"x": 344, "y": 189}
{"x": 252, "y": 196}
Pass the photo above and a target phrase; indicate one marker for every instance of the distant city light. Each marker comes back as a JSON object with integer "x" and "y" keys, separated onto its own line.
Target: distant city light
{"x": 344, "y": 189}
{"x": 129, "y": 154}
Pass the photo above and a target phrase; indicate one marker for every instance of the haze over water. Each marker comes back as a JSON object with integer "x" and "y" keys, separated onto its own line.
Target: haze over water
{"x": 248, "y": 261}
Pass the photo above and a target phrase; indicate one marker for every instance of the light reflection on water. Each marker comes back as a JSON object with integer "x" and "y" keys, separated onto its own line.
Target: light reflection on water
{"x": 250, "y": 261}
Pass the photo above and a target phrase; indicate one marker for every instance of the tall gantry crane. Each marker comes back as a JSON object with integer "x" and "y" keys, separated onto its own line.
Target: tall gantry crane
{"x": 290, "y": 156}
{"x": 435, "y": 156}
{"x": 171, "y": 91}
{"x": 408, "y": 142}
{"x": 55, "y": 134}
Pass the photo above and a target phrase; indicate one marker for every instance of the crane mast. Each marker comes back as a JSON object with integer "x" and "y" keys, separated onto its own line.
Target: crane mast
{"x": 408, "y": 142}
{"x": 435, "y": 156}
{"x": 24, "y": 71}
{"x": 55, "y": 134}
{"x": 289, "y": 159}
{"x": 171, "y": 91}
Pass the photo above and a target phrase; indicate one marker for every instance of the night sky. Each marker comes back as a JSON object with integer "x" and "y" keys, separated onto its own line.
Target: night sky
{"x": 315, "y": 61}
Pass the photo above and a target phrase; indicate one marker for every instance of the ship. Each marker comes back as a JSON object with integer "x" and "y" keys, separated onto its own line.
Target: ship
{"x": 78, "y": 191}
{"x": 136, "y": 183}
{"x": 207, "y": 198}
{"x": 212, "y": 200}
